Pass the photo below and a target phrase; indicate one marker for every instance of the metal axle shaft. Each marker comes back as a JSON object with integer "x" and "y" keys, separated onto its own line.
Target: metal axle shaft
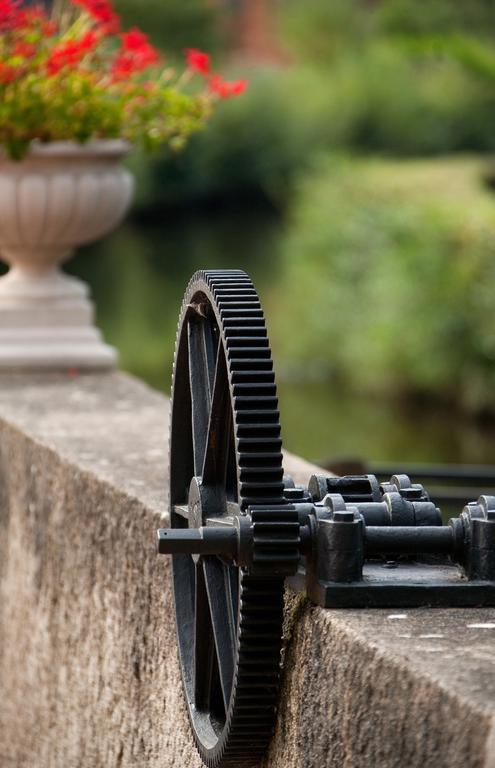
{"x": 409, "y": 539}
{"x": 198, "y": 541}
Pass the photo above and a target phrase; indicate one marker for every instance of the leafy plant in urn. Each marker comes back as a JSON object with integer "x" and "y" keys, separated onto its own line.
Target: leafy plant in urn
{"x": 77, "y": 92}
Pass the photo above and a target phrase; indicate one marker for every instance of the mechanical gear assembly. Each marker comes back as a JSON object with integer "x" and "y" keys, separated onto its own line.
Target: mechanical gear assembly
{"x": 241, "y": 530}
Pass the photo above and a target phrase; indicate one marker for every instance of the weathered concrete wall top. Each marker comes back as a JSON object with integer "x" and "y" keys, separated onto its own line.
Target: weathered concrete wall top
{"x": 88, "y": 670}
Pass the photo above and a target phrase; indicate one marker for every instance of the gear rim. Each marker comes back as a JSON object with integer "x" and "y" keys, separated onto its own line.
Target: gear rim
{"x": 242, "y": 736}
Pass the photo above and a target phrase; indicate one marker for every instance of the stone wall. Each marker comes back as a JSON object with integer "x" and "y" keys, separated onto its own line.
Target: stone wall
{"x": 88, "y": 669}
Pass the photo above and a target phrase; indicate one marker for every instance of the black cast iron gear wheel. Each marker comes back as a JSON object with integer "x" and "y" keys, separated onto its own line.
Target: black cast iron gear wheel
{"x": 226, "y": 461}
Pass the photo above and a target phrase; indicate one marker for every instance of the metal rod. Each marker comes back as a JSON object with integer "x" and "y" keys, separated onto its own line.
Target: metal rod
{"x": 197, "y": 541}
{"x": 467, "y": 472}
{"x": 443, "y": 494}
{"x": 409, "y": 539}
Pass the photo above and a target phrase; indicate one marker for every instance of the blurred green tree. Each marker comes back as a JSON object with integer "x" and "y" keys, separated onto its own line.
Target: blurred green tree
{"x": 388, "y": 276}
{"x": 175, "y": 24}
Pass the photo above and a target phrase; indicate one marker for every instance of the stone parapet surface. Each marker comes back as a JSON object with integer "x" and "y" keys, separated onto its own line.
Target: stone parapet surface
{"x": 89, "y": 676}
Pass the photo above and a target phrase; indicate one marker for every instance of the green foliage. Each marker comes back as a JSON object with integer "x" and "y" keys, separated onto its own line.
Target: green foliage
{"x": 255, "y": 145}
{"x": 441, "y": 17}
{"x": 384, "y": 100}
{"x": 387, "y": 100}
{"x": 475, "y": 55}
{"x": 369, "y": 77}
{"x": 320, "y": 31}
{"x": 76, "y": 109}
{"x": 388, "y": 275}
{"x": 399, "y": 76}
{"x": 174, "y": 24}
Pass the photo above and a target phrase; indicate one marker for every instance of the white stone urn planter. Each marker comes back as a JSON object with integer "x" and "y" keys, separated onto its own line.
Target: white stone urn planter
{"x": 60, "y": 196}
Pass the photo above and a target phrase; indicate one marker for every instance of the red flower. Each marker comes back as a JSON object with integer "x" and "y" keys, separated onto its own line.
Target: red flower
{"x": 7, "y": 73}
{"x": 125, "y": 64}
{"x": 122, "y": 67}
{"x": 49, "y": 28}
{"x": 134, "y": 40}
{"x": 88, "y": 42}
{"x": 24, "y": 50}
{"x": 225, "y": 89}
{"x": 102, "y": 11}
{"x": 69, "y": 54}
{"x": 11, "y": 17}
{"x": 35, "y": 14}
{"x": 198, "y": 61}
{"x": 219, "y": 86}
{"x": 137, "y": 54}
{"x": 238, "y": 87}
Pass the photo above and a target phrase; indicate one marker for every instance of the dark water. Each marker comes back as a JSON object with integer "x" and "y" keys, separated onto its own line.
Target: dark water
{"x": 138, "y": 277}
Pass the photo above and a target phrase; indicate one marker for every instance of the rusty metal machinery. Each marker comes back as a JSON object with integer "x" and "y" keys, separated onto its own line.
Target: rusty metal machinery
{"x": 241, "y": 531}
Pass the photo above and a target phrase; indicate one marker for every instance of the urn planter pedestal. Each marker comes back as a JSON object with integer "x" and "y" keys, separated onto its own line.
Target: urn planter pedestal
{"x": 60, "y": 196}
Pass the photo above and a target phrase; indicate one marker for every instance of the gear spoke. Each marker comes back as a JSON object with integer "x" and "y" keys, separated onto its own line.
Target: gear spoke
{"x": 214, "y": 470}
{"x": 201, "y": 371}
{"x": 223, "y": 622}
{"x": 181, "y": 425}
{"x": 204, "y": 645}
{"x": 182, "y": 510}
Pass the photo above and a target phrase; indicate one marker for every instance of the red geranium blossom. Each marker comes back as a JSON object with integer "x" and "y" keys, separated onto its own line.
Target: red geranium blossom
{"x": 10, "y": 15}
{"x": 134, "y": 40}
{"x": 238, "y": 87}
{"x": 49, "y": 28}
{"x": 24, "y": 50}
{"x": 69, "y": 54}
{"x": 198, "y": 61}
{"x": 37, "y": 13}
{"x": 125, "y": 64}
{"x": 225, "y": 89}
{"x": 137, "y": 54}
{"x": 103, "y": 12}
{"x": 122, "y": 67}
{"x": 7, "y": 73}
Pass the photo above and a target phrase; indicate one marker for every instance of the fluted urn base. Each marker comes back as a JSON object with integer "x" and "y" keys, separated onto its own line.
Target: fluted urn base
{"x": 60, "y": 196}
{"x": 46, "y": 323}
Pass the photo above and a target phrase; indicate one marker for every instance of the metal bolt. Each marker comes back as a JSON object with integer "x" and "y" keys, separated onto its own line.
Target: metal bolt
{"x": 335, "y": 502}
{"x": 346, "y": 516}
{"x": 318, "y": 487}
{"x": 294, "y": 494}
{"x": 487, "y": 503}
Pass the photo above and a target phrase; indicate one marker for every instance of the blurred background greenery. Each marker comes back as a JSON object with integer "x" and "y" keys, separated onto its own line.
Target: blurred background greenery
{"x": 355, "y": 182}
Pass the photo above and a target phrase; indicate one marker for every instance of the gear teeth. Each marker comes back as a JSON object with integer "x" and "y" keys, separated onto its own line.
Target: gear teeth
{"x": 255, "y": 405}
{"x": 276, "y": 540}
{"x": 276, "y": 533}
